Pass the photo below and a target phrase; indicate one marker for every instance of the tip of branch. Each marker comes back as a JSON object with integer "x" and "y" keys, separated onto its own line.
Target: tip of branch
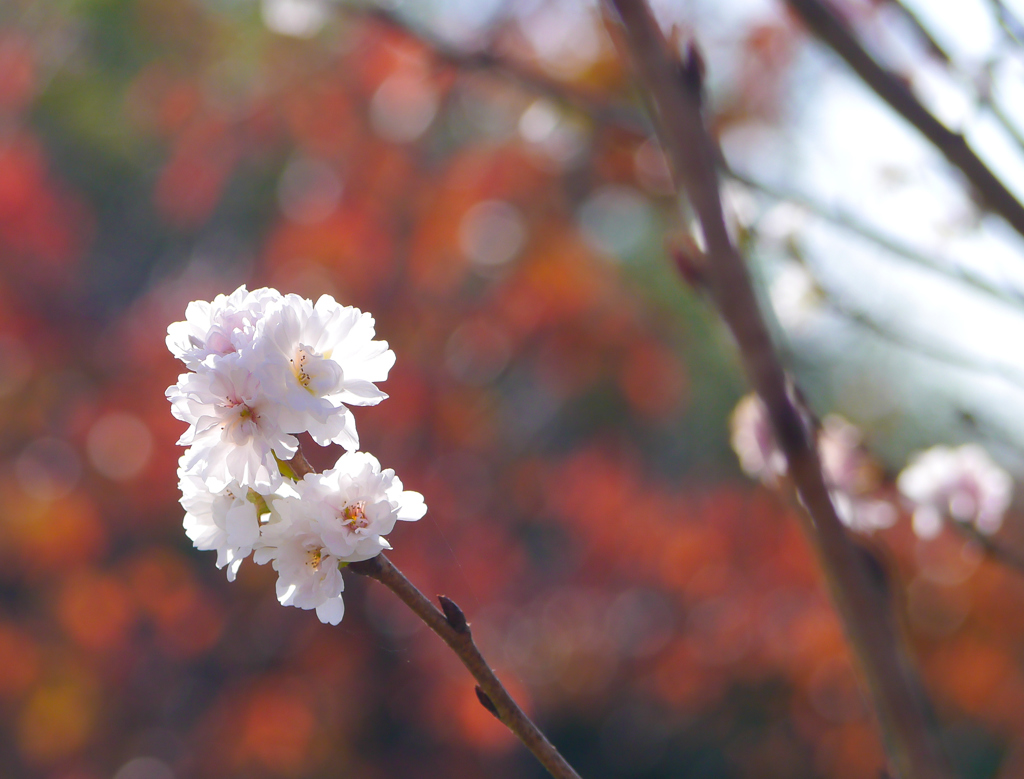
{"x": 486, "y": 702}
{"x": 691, "y": 69}
{"x": 454, "y": 615}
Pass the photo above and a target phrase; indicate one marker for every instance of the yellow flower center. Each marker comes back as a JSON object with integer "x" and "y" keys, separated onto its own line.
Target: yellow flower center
{"x": 315, "y": 556}
{"x": 354, "y": 515}
{"x": 299, "y": 368}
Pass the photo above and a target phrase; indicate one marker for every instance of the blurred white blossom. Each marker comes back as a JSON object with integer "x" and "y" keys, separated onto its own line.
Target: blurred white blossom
{"x": 962, "y": 483}
{"x": 850, "y": 473}
{"x": 754, "y": 442}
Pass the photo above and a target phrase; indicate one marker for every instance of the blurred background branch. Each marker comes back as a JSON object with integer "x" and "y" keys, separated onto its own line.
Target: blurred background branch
{"x": 903, "y": 711}
{"x": 829, "y": 26}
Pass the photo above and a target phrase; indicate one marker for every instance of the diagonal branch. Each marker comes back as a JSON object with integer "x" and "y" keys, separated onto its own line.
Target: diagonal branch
{"x": 983, "y": 91}
{"x": 828, "y": 26}
{"x": 453, "y": 629}
{"x": 832, "y": 301}
{"x": 864, "y": 608}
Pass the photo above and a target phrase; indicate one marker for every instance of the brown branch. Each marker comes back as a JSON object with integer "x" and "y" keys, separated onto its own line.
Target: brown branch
{"x": 453, "y": 629}
{"x": 1010, "y": 23}
{"x": 864, "y": 608}
{"x": 592, "y": 104}
{"x": 923, "y": 33}
{"x": 625, "y": 118}
{"x": 982, "y": 90}
{"x": 297, "y": 467}
{"x": 828, "y": 26}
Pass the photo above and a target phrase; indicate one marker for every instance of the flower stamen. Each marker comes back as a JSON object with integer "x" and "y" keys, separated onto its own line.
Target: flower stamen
{"x": 354, "y": 515}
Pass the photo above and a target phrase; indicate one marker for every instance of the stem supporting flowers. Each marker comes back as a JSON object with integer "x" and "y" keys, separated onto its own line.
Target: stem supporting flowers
{"x": 453, "y": 629}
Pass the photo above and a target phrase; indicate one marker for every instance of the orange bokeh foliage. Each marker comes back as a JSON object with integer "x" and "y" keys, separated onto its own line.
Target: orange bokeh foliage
{"x": 458, "y": 716}
{"x": 653, "y": 381}
{"x": 533, "y": 402}
{"x": 35, "y": 527}
{"x": 352, "y": 244}
{"x": 19, "y": 661}
{"x": 96, "y": 610}
{"x": 277, "y": 727}
{"x": 193, "y": 178}
{"x": 58, "y": 718}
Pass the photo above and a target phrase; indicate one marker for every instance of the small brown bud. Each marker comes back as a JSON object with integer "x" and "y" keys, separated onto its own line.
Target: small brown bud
{"x": 486, "y": 702}
{"x": 453, "y": 614}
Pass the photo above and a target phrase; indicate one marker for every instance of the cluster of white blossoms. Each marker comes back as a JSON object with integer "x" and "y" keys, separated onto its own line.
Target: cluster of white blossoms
{"x": 263, "y": 367}
{"x": 963, "y": 484}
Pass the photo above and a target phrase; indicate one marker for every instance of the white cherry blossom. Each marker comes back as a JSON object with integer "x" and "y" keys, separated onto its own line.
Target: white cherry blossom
{"x": 308, "y": 575}
{"x": 262, "y": 367}
{"x": 317, "y": 359}
{"x": 233, "y": 430}
{"x": 754, "y": 441}
{"x": 354, "y": 505}
{"x": 226, "y": 325}
{"x": 225, "y": 522}
{"x": 963, "y": 483}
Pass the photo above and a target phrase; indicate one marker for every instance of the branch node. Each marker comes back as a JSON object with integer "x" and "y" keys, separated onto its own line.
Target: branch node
{"x": 454, "y": 615}
{"x": 486, "y": 702}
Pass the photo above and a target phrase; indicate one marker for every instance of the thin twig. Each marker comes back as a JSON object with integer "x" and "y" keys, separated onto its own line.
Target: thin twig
{"x": 592, "y": 104}
{"x": 921, "y": 30}
{"x": 453, "y": 629}
{"x": 899, "y": 249}
{"x": 965, "y": 362}
{"x": 983, "y": 93}
{"x": 902, "y": 710}
{"x": 1011, "y": 25}
{"x": 828, "y": 26}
